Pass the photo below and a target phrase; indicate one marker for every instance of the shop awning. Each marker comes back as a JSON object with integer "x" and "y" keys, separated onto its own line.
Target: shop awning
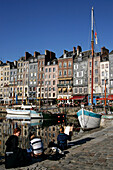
{"x": 78, "y": 97}
{"x": 101, "y": 98}
{"x": 62, "y": 99}
{"x": 110, "y": 97}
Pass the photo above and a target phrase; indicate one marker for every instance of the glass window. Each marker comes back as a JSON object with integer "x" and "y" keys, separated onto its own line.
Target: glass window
{"x": 46, "y": 70}
{"x": 65, "y": 72}
{"x": 96, "y": 71}
{"x": 96, "y": 80}
{"x": 49, "y": 69}
{"x": 75, "y": 90}
{"x": 90, "y": 64}
{"x": 69, "y": 63}
{"x": 70, "y": 72}
{"x": 60, "y": 65}
{"x": 65, "y": 64}
{"x": 53, "y": 69}
{"x": 60, "y": 73}
{"x": 80, "y": 90}
{"x": 96, "y": 63}
{"x": 53, "y": 82}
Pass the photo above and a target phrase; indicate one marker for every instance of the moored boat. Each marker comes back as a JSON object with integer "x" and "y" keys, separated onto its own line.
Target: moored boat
{"x": 88, "y": 119}
{"x": 25, "y": 112}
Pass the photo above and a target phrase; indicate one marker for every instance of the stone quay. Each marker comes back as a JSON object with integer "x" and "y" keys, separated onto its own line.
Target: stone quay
{"x": 87, "y": 150}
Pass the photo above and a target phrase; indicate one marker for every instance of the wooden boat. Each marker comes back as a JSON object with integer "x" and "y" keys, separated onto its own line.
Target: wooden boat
{"x": 88, "y": 119}
{"x": 25, "y": 112}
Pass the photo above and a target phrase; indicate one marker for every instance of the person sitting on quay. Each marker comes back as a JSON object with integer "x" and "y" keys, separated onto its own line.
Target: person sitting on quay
{"x": 36, "y": 146}
{"x": 62, "y": 139}
{"x": 15, "y": 156}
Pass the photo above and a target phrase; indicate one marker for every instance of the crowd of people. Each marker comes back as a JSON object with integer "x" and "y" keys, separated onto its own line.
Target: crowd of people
{"x": 18, "y": 157}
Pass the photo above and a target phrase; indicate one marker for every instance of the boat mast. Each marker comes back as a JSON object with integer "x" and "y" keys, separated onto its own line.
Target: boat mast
{"x": 92, "y": 46}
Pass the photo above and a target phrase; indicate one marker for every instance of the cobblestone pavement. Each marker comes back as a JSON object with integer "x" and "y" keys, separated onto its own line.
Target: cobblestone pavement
{"x": 89, "y": 150}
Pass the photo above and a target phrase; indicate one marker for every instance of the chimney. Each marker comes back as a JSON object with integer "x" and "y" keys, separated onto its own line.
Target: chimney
{"x": 27, "y": 55}
{"x": 15, "y": 63}
{"x": 74, "y": 50}
{"x": 104, "y": 50}
{"x": 79, "y": 49}
{"x": 36, "y": 54}
{"x": 1, "y": 62}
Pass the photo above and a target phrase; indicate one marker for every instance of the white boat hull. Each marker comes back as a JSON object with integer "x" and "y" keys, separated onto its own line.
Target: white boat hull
{"x": 88, "y": 119}
{"x": 17, "y": 112}
{"x": 23, "y": 114}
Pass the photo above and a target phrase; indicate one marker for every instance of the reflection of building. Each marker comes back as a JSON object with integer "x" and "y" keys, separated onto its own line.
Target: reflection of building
{"x": 65, "y": 75}
{"x": 48, "y": 134}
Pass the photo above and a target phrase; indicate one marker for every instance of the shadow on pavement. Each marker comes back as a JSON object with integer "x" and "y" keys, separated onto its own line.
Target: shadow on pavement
{"x": 79, "y": 142}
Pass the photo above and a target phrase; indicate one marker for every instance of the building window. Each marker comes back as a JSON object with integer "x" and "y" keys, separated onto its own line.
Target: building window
{"x": 53, "y": 69}
{"x": 60, "y": 65}
{"x": 53, "y": 75}
{"x": 60, "y": 73}
{"x": 111, "y": 82}
{"x": 65, "y": 72}
{"x": 85, "y": 90}
{"x": 102, "y": 66}
{"x": 102, "y": 73}
{"x": 46, "y": 70}
{"x": 96, "y": 80}
{"x": 90, "y": 64}
{"x": 102, "y": 81}
{"x": 106, "y": 65}
{"x": 76, "y": 81}
{"x": 49, "y": 69}
{"x": 75, "y": 90}
{"x": 65, "y": 64}
{"x": 69, "y": 72}
{"x": 69, "y": 64}
{"x": 49, "y": 94}
{"x": 80, "y": 90}
{"x": 49, "y": 76}
{"x": 96, "y": 63}
{"x": 53, "y": 82}
{"x": 96, "y": 71}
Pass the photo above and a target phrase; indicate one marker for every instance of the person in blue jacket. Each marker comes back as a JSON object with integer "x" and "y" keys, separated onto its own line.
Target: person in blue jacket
{"x": 62, "y": 139}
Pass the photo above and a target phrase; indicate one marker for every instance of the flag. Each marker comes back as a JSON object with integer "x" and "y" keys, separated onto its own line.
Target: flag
{"x": 96, "y": 38}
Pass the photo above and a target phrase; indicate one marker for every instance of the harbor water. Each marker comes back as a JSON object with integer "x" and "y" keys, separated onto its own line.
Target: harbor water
{"x": 47, "y": 129}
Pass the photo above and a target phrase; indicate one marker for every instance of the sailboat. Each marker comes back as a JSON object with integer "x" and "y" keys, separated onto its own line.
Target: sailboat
{"x": 89, "y": 119}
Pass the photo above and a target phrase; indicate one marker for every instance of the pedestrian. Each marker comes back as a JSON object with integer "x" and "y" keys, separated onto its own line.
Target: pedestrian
{"x": 15, "y": 156}
{"x": 62, "y": 139}
{"x": 36, "y": 146}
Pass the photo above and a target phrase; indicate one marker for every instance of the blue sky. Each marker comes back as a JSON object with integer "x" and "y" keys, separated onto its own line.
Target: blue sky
{"x": 55, "y": 25}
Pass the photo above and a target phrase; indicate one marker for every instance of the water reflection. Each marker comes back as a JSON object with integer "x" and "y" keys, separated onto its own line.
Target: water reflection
{"x": 47, "y": 129}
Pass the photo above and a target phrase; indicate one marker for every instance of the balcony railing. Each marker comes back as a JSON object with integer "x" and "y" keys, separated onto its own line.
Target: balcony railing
{"x": 67, "y": 84}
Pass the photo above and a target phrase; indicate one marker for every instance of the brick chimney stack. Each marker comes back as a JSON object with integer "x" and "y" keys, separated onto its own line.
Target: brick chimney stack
{"x": 104, "y": 50}
{"x": 74, "y": 49}
{"x": 79, "y": 49}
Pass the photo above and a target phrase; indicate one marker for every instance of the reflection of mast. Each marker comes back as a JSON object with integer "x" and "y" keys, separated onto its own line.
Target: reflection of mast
{"x": 13, "y": 91}
{"x": 40, "y": 95}
{"x": 92, "y": 45}
{"x": 23, "y": 87}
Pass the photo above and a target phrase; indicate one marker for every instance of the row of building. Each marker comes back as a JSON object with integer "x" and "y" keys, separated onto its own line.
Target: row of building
{"x": 45, "y": 78}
